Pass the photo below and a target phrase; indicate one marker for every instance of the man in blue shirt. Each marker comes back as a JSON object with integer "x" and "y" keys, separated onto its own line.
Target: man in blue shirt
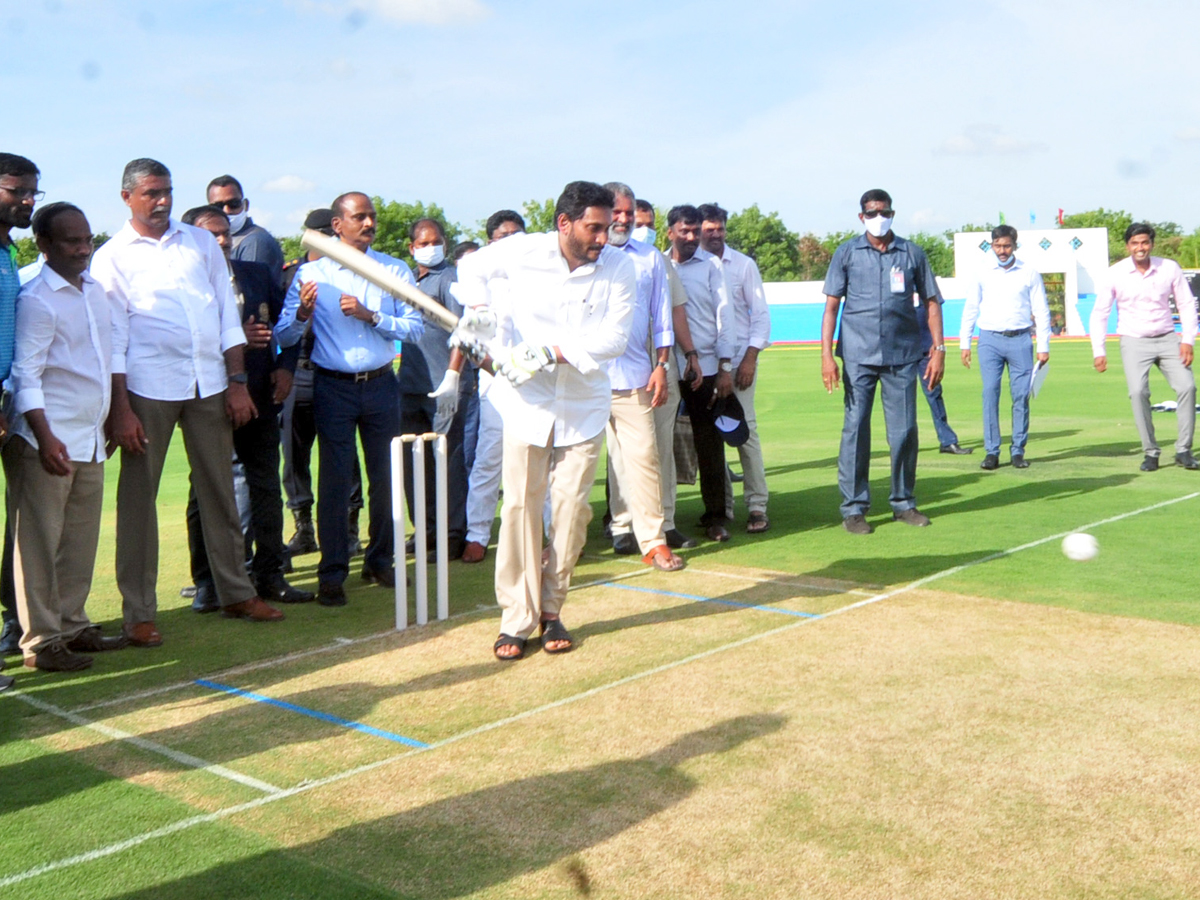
{"x": 18, "y": 194}
{"x": 880, "y": 343}
{"x": 355, "y": 327}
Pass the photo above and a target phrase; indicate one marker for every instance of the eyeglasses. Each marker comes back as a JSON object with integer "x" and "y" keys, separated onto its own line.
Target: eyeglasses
{"x": 886, "y": 213}
{"x": 232, "y": 205}
{"x": 23, "y": 193}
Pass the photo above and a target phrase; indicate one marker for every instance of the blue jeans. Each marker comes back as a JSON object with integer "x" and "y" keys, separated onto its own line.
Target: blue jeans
{"x": 996, "y": 350}
{"x": 341, "y": 408}
{"x": 937, "y": 408}
{"x": 899, "y": 413}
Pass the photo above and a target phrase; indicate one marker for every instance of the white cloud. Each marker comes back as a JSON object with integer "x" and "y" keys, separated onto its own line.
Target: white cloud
{"x": 289, "y": 184}
{"x": 987, "y": 140}
{"x": 427, "y": 12}
{"x": 1191, "y": 133}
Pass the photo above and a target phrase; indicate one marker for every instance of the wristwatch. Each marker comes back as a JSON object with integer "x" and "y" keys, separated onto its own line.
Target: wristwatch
{"x": 665, "y": 365}
{"x": 240, "y": 378}
{"x": 726, "y": 366}
{"x": 940, "y": 348}
{"x": 376, "y": 318}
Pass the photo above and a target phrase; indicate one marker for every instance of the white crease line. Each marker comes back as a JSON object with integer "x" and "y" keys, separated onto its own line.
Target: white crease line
{"x": 184, "y": 759}
{"x": 312, "y": 785}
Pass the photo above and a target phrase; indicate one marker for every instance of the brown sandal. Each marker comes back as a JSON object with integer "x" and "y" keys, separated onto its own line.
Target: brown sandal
{"x": 663, "y": 559}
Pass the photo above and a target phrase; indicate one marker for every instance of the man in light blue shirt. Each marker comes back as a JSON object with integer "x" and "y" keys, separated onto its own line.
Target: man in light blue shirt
{"x": 1007, "y": 299}
{"x": 18, "y": 194}
{"x": 355, "y": 326}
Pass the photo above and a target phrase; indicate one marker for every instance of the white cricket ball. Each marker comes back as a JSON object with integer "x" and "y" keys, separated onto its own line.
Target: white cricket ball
{"x": 1080, "y": 547}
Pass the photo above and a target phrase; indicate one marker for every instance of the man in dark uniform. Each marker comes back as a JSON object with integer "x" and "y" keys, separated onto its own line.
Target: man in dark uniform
{"x": 880, "y": 343}
{"x": 269, "y": 379}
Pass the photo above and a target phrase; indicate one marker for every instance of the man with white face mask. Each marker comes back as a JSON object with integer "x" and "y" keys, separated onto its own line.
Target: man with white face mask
{"x": 880, "y": 344}
{"x": 424, "y": 365}
{"x": 639, "y": 386}
{"x": 251, "y": 242}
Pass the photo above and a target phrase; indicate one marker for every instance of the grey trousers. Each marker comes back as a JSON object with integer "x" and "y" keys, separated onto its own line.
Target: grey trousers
{"x": 208, "y": 439}
{"x": 900, "y": 415}
{"x": 1137, "y": 356}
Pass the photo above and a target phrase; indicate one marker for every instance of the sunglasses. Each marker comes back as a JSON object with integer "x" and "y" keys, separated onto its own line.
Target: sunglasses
{"x": 231, "y": 205}
{"x": 886, "y": 213}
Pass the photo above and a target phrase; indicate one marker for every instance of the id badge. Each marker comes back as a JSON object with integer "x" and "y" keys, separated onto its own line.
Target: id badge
{"x": 897, "y": 280}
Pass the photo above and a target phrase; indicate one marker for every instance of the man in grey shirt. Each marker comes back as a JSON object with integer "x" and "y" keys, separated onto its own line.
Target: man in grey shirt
{"x": 880, "y": 343}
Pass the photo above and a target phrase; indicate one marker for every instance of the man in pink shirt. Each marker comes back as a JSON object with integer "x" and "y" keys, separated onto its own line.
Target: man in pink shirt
{"x": 1142, "y": 287}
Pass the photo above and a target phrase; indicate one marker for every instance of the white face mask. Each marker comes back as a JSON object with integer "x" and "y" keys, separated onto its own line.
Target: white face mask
{"x": 430, "y": 256}
{"x": 237, "y": 222}
{"x": 645, "y": 234}
{"x": 878, "y": 226}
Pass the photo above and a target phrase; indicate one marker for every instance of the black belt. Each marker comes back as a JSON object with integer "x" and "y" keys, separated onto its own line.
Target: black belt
{"x": 353, "y": 376}
{"x": 1019, "y": 331}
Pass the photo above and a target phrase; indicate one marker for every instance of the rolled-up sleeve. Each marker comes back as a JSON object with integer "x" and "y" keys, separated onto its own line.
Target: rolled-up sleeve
{"x": 760, "y": 313}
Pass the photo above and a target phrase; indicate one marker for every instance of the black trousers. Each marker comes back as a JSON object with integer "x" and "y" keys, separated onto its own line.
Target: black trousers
{"x": 257, "y": 446}
{"x": 710, "y": 449}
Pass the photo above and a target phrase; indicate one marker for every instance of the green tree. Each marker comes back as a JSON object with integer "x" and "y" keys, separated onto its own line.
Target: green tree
{"x": 538, "y": 216}
{"x": 395, "y": 219}
{"x": 938, "y": 250}
{"x": 814, "y": 257}
{"x": 768, "y": 241}
{"x": 1115, "y": 220}
{"x": 291, "y": 247}
{"x": 27, "y": 250}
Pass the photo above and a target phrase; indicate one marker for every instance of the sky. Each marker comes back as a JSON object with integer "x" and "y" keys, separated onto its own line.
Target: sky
{"x": 959, "y": 110}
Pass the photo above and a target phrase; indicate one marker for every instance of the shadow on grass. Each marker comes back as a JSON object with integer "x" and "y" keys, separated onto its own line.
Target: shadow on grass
{"x": 461, "y": 845}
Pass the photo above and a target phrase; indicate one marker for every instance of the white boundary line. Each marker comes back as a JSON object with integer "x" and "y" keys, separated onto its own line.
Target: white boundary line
{"x": 337, "y": 644}
{"x": 184, "y": 759}
{"x": 228, "y": 811}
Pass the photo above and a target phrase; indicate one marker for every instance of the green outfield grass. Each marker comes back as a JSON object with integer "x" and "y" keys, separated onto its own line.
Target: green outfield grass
{"x": 1014, "y": 725}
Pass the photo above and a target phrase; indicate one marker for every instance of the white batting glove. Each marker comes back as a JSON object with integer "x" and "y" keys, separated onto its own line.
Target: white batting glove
{"x": 446, "y": 395}
{"x": 475, "y": 326}
{"x": 520, "y": 363}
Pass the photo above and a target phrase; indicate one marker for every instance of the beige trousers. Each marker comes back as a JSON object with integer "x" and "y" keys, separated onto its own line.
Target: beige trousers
{"x": 664, "y": 440}
{"x": 56, "y": 525}
{"x": 635, "y": 494}
{"x": 524, "y": 589}
{"x": 208, "y": 439}
{"x": 754, "y": 485}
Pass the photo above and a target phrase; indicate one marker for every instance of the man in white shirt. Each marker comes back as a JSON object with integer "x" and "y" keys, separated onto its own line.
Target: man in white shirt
{"x": 568, "y": 309}
{"x": 177, "y": 359}
{"x": 638, "y": 388}
{"x": 1007, "y": 300}
{"x": 753, "y": 323}
{"x": 62, "y": 375}
{"x": 1142, "y": 287}
{"x": 706, "y": 365}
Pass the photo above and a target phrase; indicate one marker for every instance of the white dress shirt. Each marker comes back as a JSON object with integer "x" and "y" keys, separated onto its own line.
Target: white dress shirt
{"x": 1007, "y": 298}
{"x": 709, "y": 311}
{"x": 651, "y": 319}
{"x": 751, "y": 316}
{"x": 63, "y": 362}
{"x": 174, "y": 312}
{"x": 585, "y": 313}
{"x": 1143, "y": 302}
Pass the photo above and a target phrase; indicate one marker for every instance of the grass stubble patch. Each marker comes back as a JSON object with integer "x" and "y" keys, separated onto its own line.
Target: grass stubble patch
{"x": 934, "y": 745}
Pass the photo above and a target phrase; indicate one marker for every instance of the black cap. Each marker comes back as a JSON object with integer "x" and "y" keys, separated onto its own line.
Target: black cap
{"x": 319, "y": 220}
{"x": 730, "y": 420}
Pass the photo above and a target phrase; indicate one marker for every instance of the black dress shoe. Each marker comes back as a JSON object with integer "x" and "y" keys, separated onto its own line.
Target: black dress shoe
{"x": 912, "y": 516}
{"x": 1019, "y": 461}
{"x": 857, "y": 524}
{"x": 990, "y": 462}
{"x": 1149, "y": 464}
{"x": 90, "y": 640}
{"x": 1186, "y": 460}
{"x": 956, "y": 449}
{"x": 625, "y": 545}
{"x": 677, "y": 540}
{"x": 6, "y": 681}
{"x": 10, "y": 638}
{"x": 205, "y": 599}
{"x": 330, "y": 594}
{"x": 383, "y": 577}
{"x": 277, "y": 590}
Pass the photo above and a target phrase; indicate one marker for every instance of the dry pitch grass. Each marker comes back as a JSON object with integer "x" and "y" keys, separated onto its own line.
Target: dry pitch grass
{"x": 931, "y": 745}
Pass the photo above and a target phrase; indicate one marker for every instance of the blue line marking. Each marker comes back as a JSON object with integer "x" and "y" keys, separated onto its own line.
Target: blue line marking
{"x": 772, "y": 609}
{"x": 312, "y": 713}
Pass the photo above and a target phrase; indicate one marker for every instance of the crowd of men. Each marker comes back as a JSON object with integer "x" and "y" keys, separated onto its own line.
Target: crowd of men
{"x": 583, "y": 336}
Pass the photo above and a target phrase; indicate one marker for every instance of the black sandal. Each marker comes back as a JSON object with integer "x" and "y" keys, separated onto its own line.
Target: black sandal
{"x": 507, "y": 640}
{"x": 555, "y": 630}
